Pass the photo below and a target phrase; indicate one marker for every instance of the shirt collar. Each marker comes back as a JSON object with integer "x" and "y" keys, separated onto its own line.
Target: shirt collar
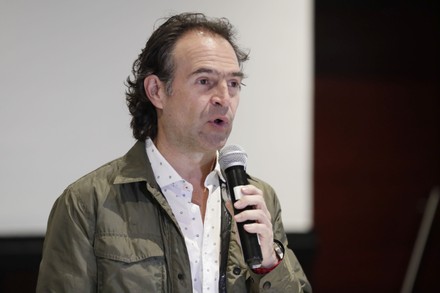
{"x": 166, "y": 175}
{"x": 218, "y": 171}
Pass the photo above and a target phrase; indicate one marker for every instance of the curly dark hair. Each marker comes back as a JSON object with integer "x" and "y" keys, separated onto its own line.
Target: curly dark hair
{"x": 156, "y": 58}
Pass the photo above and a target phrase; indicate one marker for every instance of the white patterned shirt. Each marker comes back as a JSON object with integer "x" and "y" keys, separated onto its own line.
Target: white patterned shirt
{"x": 202, "y": 240}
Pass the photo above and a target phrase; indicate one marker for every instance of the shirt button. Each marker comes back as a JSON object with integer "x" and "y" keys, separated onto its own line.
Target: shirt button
{"x": 267, "y": 285}
{"x": 236, "y": 271}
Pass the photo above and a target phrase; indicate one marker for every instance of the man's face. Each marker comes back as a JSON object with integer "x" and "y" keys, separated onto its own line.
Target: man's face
{"x": 199, "y": 112}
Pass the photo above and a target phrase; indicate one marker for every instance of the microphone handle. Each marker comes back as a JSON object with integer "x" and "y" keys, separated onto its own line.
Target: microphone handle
{"x": 235, "y": 178}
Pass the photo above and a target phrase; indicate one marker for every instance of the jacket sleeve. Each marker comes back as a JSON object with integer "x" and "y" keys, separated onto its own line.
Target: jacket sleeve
{"x": 68, "y": 262}
{"x": 288, "y": 276}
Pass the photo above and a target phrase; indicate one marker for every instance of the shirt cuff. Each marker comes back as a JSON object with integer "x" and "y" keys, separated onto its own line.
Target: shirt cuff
{"x": 262, "y": 271}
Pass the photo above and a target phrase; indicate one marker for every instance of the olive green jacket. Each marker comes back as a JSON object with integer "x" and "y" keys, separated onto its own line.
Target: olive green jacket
{"x": 113, "y": 231}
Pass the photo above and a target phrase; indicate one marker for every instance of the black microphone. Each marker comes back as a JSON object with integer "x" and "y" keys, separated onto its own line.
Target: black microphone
{"x": 233, "y": 161}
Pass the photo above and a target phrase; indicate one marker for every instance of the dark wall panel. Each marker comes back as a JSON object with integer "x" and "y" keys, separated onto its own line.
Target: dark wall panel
{"x": 377, "y": 142}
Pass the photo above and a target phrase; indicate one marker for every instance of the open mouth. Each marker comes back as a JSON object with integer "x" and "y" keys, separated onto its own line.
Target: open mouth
{"x": 218, "y": 121}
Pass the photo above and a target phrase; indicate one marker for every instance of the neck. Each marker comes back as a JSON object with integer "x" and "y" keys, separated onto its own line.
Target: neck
{"x": 194, "y": 167}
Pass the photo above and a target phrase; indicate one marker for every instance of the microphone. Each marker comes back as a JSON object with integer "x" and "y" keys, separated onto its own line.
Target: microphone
{"x": 233, "y": 161}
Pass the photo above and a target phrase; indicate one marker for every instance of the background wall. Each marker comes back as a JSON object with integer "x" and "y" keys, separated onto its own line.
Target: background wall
{"x": 63, "y": 112}
{"x": 377, "y": 142}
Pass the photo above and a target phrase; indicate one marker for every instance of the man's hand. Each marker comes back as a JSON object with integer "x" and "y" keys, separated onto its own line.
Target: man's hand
{"x": 253, "y": 196}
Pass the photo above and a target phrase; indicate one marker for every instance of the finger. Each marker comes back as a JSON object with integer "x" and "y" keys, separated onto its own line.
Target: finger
{"x": 249, "y": 200}
{"x": 251, "y": 189}
{"x": 250, "y": 195}
{"x": 255, "y": 215}
{"x": 261, "y": 229}
{"x": 255, "y": 201}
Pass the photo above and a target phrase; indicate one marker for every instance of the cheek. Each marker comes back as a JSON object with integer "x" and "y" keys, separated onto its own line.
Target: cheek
{"x": 184, "y": 114}
{"x": 234, "y": 104}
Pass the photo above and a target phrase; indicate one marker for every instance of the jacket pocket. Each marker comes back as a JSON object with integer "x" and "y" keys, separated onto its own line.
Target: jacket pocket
{"x": 127, "y": 264}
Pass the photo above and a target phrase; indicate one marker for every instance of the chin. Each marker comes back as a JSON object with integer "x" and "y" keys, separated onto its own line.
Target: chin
{"x": 216, "y": 144}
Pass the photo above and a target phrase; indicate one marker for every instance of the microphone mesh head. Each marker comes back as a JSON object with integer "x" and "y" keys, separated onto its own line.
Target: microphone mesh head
{"x": 232, "y": 155}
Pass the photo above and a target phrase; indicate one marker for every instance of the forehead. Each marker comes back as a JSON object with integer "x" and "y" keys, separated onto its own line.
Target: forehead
{"x": 200, "y": 49}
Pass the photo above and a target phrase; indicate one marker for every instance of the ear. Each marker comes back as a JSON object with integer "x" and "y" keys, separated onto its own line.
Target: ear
{"x": 155, "y": 90}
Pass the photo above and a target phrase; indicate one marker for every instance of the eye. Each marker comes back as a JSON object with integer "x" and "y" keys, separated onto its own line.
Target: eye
{"x": 234, "y": 84}
{"x": 203, "y": 81}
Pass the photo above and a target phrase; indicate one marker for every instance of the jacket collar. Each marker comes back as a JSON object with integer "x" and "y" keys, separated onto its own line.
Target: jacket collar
{"x": 136, "y": 167}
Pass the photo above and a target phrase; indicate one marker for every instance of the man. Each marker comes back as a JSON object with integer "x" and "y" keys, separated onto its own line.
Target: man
{"x": 159, "y": 219}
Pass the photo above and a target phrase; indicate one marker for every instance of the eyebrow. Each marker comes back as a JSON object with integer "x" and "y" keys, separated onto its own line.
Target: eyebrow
{"x": 213, "y": 71}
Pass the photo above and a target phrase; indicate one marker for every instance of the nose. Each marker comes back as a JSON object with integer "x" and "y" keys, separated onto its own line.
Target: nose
{"x": 221, "y": 96}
